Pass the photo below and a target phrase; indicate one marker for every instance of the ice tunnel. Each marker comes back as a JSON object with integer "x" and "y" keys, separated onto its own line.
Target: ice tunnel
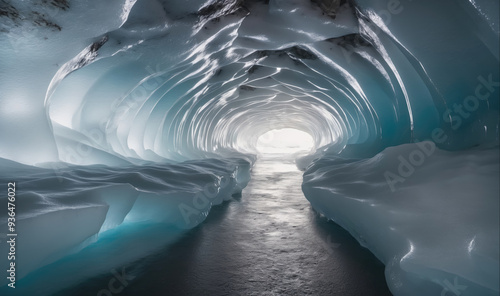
{"x": 124, "y": 118}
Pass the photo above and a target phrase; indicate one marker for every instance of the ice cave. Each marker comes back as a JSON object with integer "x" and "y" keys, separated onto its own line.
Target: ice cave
{"x": 249, "y": 147}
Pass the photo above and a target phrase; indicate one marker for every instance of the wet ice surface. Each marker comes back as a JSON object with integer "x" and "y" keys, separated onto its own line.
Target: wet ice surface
{"x": 266, "y": 242}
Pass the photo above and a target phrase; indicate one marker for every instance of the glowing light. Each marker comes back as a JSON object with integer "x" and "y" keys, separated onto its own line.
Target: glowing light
{"x": 284, "y": 141}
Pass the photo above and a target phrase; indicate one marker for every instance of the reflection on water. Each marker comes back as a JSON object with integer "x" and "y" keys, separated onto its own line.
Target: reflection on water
{"x": 266, "y": 242}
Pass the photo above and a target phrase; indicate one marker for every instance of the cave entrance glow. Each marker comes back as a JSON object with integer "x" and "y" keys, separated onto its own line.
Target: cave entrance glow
{"x": 284, "y": 141}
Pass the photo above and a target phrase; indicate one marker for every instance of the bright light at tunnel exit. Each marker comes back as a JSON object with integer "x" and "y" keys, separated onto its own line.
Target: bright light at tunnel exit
{"x": 284, "y": 141}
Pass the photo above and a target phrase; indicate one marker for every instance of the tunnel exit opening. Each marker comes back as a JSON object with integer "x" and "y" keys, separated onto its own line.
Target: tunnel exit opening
{"x": 284, "y": 141}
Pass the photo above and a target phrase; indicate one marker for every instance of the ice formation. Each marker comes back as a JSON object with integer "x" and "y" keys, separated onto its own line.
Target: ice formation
{"x": 430, "y": 215}
{"x": 59, "y": 212}
{"x": 101, "y": 99}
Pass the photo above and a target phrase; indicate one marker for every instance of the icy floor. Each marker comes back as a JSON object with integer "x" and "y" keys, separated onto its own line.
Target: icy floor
{"x": 266, "y": 242}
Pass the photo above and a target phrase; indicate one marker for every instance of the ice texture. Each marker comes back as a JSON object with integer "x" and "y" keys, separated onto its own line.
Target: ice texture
{"x": 155, "y": 79}
{"x": 101, "y": 100}
{"x": 61, "y": 211}
{"x": 431, "y": 216}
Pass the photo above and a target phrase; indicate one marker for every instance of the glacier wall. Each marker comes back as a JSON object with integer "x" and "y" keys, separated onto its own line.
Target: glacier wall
{"x": 60, "y": 212}
{"x": 132, "y": 83}
{"x": 153, "y": 80}
{"x": 430, "y": 215}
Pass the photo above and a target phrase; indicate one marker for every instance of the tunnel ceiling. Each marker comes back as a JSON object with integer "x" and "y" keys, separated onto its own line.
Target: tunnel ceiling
{"x": 155, "y": 80}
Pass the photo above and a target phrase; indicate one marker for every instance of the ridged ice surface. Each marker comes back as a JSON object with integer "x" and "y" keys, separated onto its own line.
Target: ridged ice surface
{"x": 155, "y": 79}
{"x": 429, "y": 215}
{"x": 107, "y": 95}
{"x": 61, "y": 211}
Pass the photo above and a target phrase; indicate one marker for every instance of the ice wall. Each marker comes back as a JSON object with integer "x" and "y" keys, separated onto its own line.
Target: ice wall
{"x": 157, "y": 80}
{"x": 431, "y": 216}
{"x": 132, "y": 83}
{"x": 61, "y": 211}
{"x": 36, "y": 39}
